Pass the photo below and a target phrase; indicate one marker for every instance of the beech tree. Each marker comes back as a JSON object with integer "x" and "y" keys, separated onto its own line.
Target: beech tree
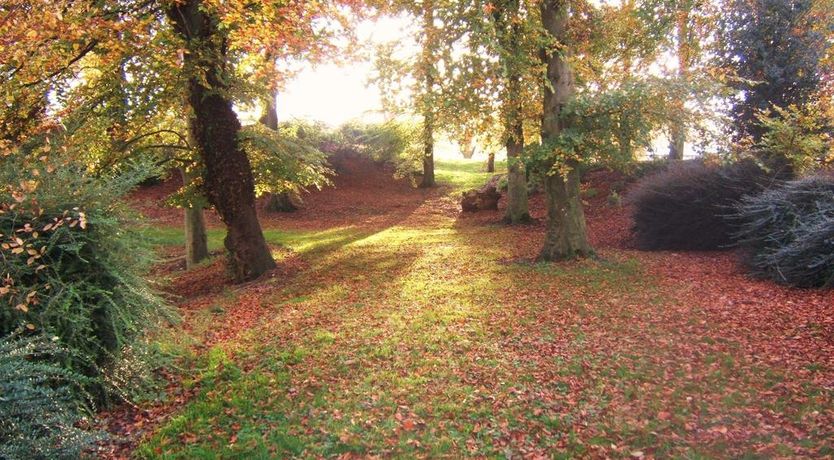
{"x": 598, "y": 110}
{"x": 509, "y": 27}
{"x": 228, "y": 180}
{"x": 567, "y": 235}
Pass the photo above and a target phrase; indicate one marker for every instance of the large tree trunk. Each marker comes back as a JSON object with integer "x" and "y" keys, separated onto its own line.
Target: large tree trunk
{"x": 228, "y": 177}
{"x": 509, "y": 33}
{"x": 196, "y": 239}
{"x": 677, "y": 143}
{"x": 566, "y": 235}
{"x": 428, "y": 101}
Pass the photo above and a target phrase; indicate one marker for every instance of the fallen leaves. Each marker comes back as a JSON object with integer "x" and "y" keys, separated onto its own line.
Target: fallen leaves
{"x": 410, "y": 339}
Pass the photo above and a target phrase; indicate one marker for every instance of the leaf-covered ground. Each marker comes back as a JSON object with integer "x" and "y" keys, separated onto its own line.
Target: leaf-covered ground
{"x": 397, "y": 327}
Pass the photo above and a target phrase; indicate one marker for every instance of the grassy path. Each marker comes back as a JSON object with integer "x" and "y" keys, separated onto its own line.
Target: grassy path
{"x": 416, "y": 339}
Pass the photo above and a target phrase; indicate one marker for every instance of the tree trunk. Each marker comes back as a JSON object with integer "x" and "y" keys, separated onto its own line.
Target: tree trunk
{"x": 517, "y": 204}
{"x": 284, "y": 201}
{"x": 428, "y": 152}
{"x": 566, "y": 235}
{"x": 677, "y": 132}
{"x": 509, "y": 33}
{"x": 270, "y": 116}
{"x": 228, "y": 177}
{"x": 467, "y": 146}
{"x": 491, "y": 162}
{"x": 678, "y": 143}
{"x": 196, "y": 239}
{"x": 428, "y": 101}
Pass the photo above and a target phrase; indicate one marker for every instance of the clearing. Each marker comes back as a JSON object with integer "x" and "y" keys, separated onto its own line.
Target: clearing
{"x": 397, "y": 327}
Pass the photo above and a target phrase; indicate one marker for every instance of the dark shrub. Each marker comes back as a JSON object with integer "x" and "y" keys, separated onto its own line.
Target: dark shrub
{"x": 73, "y": 264}
{"x": 788, "y": 232}
{"x": 40, "y": 415}
{"x": 685, "y": 206}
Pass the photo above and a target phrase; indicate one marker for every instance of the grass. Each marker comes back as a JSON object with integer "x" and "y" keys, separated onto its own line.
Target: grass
{"x": 413, "y": 341}
{"x": 465, "y": 174}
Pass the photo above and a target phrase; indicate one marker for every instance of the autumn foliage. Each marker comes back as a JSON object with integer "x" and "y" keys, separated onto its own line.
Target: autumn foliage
{"x": 71, "y": 271}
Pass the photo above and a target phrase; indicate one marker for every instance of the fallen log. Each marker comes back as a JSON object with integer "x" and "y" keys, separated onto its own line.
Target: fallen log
{"x": 484, "y": 198}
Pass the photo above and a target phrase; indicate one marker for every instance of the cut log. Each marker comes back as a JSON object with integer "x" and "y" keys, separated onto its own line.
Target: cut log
{"x": 283, "y": 202}
{"x": 484, "y": 198}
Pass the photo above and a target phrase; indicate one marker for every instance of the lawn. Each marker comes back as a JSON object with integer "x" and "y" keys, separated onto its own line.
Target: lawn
{"x": 436, "y": 336}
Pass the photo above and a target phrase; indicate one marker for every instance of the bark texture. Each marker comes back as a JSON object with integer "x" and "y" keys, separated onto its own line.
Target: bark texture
{"x": 427, "y": 69}
{"x": 228, "y": 177}
{"x": 509, "y": 30}
{"x": 196, "y": 239}
{"x": 566, "y": 236}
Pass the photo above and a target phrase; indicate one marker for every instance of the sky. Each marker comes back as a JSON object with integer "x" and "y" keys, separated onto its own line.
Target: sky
{"x": 336, "y": 94}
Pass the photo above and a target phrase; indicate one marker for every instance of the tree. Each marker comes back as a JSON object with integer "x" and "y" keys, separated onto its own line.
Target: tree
{"x": 426, "y": 73}
{"x": 684, "y": 45}
{"x": 422, "y": 73}
{"x": 196, "y": 237}
{"x": 566, "y": 236}
{"x": 509, "y": 30}
{"x": 228, "y": 180}
{"x": 774, "y": 48}
{"x": 489, "y": 85}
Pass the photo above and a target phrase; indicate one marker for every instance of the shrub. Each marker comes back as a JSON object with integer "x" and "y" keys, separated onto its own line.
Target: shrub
{"x": 788, "y": 232}
{"x": 40, "y": 417}
{"x": 685, "y": 207}
{"x": 287, "y": 160}
{"x": 73, "y": 263}
{"x": 796, "y": 136}
{"x": 395, "y": 142}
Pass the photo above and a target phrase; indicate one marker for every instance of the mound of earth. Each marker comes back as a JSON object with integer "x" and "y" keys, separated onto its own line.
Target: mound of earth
{"x": 360, "y": 188}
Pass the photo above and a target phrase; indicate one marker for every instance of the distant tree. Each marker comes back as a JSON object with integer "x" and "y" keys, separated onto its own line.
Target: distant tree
{"x": 694, "y": 21}
{"x": 510, "y": 19}
{"x": 774, "y": 48}
{"x": 415, "y": 75}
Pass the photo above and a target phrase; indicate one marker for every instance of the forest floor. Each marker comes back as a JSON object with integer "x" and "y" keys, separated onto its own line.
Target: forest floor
{"x": 395, "y": 326}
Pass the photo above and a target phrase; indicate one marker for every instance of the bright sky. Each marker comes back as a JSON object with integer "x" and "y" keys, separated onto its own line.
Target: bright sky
{"x": 336, "y": 94}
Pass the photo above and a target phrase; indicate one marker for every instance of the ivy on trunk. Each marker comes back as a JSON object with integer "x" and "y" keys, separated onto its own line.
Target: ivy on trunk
{"x": 228, "y": 177}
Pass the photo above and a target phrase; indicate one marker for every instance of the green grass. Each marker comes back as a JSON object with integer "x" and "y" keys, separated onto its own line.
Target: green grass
{"x": 415, "y": 341}
{"x": 465, "y": 174}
